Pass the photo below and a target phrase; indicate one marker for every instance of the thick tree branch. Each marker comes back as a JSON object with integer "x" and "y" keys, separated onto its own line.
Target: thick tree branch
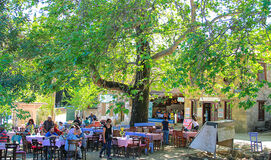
{"x": 108, "y": 84}
{"x": 193, "y": 11}
{"x": 224, "y": 16}
{"x": 173, "y": 47}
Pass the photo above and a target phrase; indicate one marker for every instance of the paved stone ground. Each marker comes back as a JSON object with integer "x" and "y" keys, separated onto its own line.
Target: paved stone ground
{"x": 241, "y": 151}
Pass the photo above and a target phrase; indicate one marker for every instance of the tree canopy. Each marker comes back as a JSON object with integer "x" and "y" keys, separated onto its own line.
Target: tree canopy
{"x": 134, "y": 46}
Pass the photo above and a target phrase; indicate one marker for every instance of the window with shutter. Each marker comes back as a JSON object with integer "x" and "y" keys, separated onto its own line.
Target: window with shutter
{"x": 227, "y": 110}
{"x": 261, "y": 111}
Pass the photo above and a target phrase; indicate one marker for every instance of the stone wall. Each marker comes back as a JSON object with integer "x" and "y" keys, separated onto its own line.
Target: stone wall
{"x": 31, "y": 108}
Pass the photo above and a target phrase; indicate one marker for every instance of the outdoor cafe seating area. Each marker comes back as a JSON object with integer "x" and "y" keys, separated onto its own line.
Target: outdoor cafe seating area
{"x": 143, "y": 138}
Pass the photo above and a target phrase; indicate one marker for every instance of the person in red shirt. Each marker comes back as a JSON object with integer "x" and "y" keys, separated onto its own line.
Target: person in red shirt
{"x": 56, "y": 130}
{"x": 3, "y": 135}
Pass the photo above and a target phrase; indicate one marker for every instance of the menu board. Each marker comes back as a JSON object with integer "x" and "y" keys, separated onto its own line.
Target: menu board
{"x": 187, "y": 113}
{"x": 199, "y": 114}
{"x": 220, "y": 112}
{"x": 186, "y": 123}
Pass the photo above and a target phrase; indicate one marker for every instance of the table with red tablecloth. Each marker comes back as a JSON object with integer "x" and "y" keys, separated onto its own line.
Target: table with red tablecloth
{"x": 124, "y": 142}
{"x": 189, "y": 134}
{"x": 154, "y": 136}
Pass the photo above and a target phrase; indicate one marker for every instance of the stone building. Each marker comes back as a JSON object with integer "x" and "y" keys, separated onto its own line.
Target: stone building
{"x": 209, "y": 108}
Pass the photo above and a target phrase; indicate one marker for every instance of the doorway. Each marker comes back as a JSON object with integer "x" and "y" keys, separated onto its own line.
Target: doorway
{"x": 206, "y": 114}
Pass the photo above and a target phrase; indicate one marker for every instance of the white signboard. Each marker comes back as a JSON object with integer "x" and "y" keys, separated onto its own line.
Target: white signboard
{"x": 209, "y": 99}
{"x": 180, "y": 99}
{"x": 206, "y": 139}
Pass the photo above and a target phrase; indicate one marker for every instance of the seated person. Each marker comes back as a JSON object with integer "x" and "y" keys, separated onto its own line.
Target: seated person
{"x": 61, "y": 127}
{"x": 3, "y": 135}
{"x": 72, "y": 135}
{"x": 158, "y": 112}
{"x": 51, "y": 133}
{"x": 161, "y": 115}
{"x": 56, "y": 130}
{"x": 195, "y": 123}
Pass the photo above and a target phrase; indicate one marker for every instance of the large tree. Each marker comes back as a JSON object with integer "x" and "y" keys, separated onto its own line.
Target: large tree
{"x": 127, "y": 45}
{"x": 13, "y": 80}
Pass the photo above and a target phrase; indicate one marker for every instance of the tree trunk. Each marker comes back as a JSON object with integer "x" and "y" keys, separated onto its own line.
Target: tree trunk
{"x": 140, "y": 101}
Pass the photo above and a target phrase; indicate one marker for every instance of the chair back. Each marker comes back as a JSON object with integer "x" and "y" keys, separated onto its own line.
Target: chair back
{"x": 115, "y": 141}
{"x": 12, "y": 148}
{"x": 136, "y": 140}
{"x": 72, "y": 143}
{"x": 52, "y": 141}
{"x": 139, "y": 129}
{"x": 179, "y": 133}
{"x": 116, "y": 133}
{"x": 253, "y": 136}
{"x": 132, "y": 129}
{"x": 35, "y": 142}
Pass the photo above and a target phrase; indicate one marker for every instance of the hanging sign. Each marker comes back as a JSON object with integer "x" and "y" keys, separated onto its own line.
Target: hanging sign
{"x": 180, "y": 99}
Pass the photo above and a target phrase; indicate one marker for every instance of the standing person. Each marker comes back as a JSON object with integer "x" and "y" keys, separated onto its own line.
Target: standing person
{"x": 107, "y": 138}
{"x": 92, "y": 118}
{"x": 78, "y": 121}
{"x": 3, "y": 135}
{"x": 165, "y": 124}
{"x": 48, "y": 124}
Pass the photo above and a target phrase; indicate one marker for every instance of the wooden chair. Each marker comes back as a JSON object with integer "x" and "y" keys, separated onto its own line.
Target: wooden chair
{"x": 26, "y": 145}
{"x": 94, "y": 141}
{"x": 72, "y": 152}
{"x": 180, "y": 140}
{"x": 37, "y": 149}
{"x": 10, "y": 151}
{"x": 116, "y": 133}
{"x": 144, "y": 144}
{"x": 84, "y": 152}
{"x": 139, "y": 129}
{"x": 134, "y": 148}
{"x": 54, "y": 152}
{"x": 132, "y": 129}
{"x": 115, "y": 147}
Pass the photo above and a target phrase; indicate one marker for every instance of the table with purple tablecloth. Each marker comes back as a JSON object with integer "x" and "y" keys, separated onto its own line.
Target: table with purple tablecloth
{"x": 39, "y": 138}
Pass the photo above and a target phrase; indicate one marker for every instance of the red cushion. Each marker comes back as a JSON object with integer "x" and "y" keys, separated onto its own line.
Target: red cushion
{"x": 34, "y": 147}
